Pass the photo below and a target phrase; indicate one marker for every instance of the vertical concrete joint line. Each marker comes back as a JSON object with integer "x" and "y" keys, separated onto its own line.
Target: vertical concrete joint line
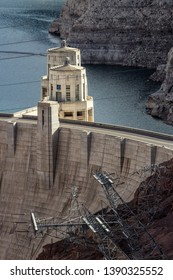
{"x": 89, "y": 138}
{"x": 55, "y": 139}
{"x": 50, "y": 146}
{"x": 153, "y": 154}
{"x": 122, "y": 153}
{"x": 11, "y": 138}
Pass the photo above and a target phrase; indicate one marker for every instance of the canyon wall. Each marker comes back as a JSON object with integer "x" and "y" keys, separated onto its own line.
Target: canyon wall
{"x": 126, "y": 32}
{"x": 160, "y": 104}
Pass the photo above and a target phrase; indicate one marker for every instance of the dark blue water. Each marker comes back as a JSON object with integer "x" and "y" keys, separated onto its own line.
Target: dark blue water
{"x": 119, "y": 92}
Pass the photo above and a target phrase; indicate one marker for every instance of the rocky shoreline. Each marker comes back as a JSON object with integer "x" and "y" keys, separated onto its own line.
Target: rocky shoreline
{"x": 127, "y": 32}
{"x": 160, "y": 104}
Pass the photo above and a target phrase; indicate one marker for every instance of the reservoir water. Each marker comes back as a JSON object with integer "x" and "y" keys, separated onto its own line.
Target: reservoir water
{"x": 119, "y": 92}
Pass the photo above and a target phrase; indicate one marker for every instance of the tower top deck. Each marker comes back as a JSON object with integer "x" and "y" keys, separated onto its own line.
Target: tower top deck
{"x": 63, "y": 48}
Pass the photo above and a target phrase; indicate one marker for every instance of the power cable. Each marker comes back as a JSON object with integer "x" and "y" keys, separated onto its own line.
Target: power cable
{"x": 23, "y": 54}
{"x": 21, "y": 42}
{"x": 94, "y": 99}
{"x": 65, "y": 77}
{"x": 20, "y": 83}
{"x": 17, "y": 52}
{"x": 16, "y": 57}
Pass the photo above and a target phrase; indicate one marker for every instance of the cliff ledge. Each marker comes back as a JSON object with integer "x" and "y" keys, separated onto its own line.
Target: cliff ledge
{"x": 126, "y": 32}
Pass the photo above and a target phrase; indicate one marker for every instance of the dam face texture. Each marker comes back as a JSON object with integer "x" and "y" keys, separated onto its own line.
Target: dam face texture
{"x": 40, "y": 161}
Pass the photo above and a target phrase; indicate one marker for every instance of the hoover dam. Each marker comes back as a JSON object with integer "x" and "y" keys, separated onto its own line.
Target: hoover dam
{"x": 42, "y": 158}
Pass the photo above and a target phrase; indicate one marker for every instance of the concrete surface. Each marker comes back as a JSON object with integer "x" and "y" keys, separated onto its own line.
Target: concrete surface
{"x": 41, "y": 161}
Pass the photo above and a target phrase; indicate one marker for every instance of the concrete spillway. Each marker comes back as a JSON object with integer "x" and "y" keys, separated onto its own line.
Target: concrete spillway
{"x": 41, "y": 160}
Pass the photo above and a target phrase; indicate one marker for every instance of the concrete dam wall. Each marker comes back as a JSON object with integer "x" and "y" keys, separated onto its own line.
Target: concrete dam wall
{"x": 40, "y": 161}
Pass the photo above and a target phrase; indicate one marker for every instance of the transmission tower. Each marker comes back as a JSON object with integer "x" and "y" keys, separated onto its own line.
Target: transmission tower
{"x": 76, "y": 224}
{"x": 106, "y": 242}
{"x": 130, "y": 232}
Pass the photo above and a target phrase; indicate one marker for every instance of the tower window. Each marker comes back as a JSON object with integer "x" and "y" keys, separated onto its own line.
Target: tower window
{"x": 68, "y": 93}
{"x": 77, "y": 92}
{"x": 58, "y": 87}
{"x": 44, "y": 91}
{"x": 84, "y": 91}
{"x": 79, "y": 114}
{"x": 68, "y": 114}
{"x": 59, "y": 96}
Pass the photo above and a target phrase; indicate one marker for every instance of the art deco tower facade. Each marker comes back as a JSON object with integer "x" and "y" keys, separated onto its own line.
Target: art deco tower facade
{"x": 66, "y": 83}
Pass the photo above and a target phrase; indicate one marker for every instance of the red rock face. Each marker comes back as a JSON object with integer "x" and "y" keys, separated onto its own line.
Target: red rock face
{"x": 152, "y": 205}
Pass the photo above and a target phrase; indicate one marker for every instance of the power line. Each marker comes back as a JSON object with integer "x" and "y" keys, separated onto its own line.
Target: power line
{"x": 22, "y": 108}
{"x": 23, "y": 54}
{"x": 21, "y": 42}
{"x": 16, "y": 57}
{"x": 17, "y": 52}
{"x": 20, "y": 83}
{"x": 94, "y": 99}
{"x": 30, "y": 82}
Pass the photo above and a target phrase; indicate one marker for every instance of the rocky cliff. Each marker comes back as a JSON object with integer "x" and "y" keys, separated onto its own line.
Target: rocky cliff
{"x": 126, "y": 32}
{"x": 160, "y": 104}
